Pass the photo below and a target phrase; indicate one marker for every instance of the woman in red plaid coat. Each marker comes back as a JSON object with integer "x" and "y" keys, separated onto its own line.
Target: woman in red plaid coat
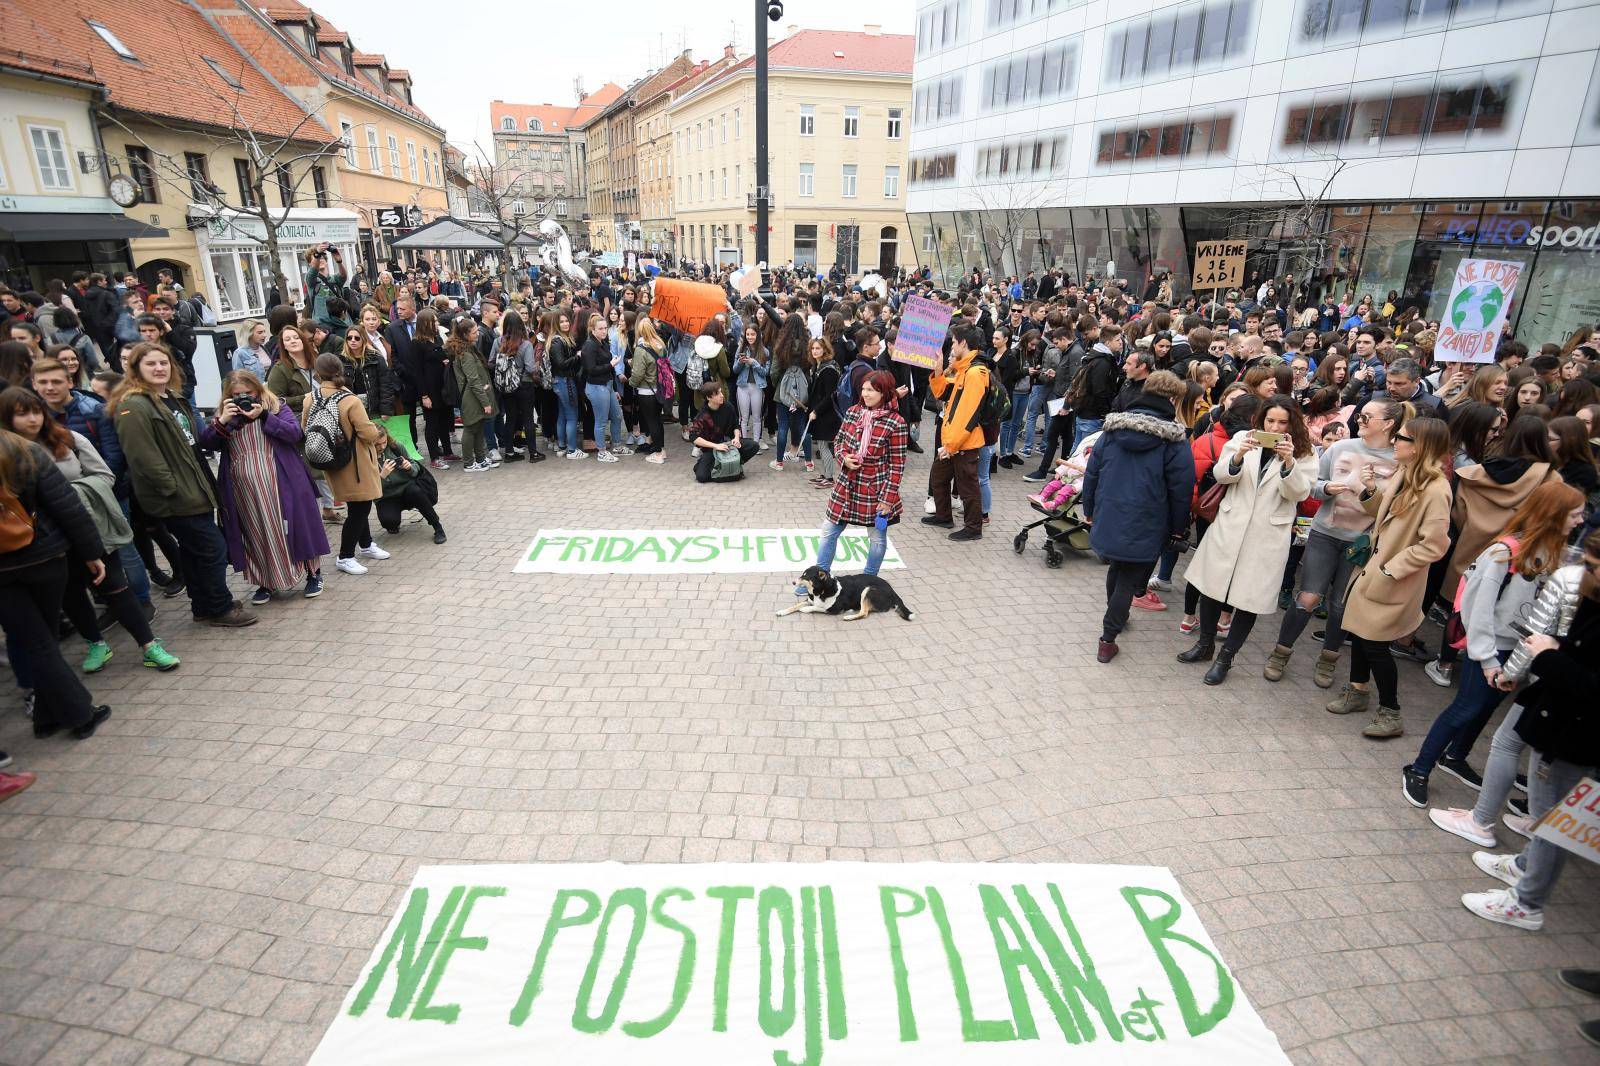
{"x": 870, "y": 448}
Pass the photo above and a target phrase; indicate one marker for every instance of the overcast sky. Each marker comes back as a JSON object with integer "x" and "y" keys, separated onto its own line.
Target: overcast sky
{"x": 464, "y": 53}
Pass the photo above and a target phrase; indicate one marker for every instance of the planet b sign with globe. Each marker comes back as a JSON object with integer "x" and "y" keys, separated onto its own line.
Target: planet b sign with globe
{"x": 1479, "y": 301}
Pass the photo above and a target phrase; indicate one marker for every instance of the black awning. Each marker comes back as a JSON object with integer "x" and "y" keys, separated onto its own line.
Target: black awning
{"x": 72, "y": 226}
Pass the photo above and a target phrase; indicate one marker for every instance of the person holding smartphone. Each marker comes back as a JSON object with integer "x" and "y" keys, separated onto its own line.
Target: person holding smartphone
{"x": 1239, "y": 565}
{"x": 320, "y": 286}
{"x": 266, "y": 498}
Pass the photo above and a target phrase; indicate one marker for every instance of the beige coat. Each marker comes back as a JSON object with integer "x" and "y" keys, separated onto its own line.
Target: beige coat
{"x": 1483, "y": 507}
{"x": 358, "y": 479}
{"x": 1241, "y": 558}
{"x": 1406, "y": 545}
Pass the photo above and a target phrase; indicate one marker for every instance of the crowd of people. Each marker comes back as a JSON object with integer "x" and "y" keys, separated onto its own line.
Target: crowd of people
{"x": 1311, "y": 452}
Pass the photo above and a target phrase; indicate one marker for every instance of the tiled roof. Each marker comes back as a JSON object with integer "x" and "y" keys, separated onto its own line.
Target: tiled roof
{"x": 862, "y": 53}
{"x": 368, "y": 59}
{"x": 555, "y": 118}
{"x": 29, "y": 46}
{"x": 170, "y": 76}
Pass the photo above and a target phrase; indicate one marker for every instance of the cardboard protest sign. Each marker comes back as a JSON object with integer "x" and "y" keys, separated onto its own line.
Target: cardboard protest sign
{"x": 687, "y": 305}
{"x": 1219, "y": 264}
{"x": 790, "y": 963}
{"x": 920, "y": 338}
{"x": 691, "y": 551}
{"x": 1480, "y": 299}
{"x": 1573, "y": 823}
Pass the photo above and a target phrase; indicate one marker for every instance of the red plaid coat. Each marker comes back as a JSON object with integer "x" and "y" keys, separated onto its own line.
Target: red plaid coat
{"x": 857, "y": 493}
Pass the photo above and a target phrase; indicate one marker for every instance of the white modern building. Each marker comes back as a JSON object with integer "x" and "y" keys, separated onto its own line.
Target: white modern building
{"x": 1368, "y": 144}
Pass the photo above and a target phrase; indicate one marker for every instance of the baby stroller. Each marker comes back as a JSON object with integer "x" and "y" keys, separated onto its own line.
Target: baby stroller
{"x": 1064, "y": 527}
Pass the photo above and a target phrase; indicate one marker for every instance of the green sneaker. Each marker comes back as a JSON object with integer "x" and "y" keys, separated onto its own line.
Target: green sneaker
{"x": 159, "y": 658}
{"x": 95, "y": 659}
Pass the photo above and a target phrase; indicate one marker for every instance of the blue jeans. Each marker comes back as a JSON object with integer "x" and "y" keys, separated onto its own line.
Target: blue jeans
{"x": 877, "y": 546}
{"x": 1036, "y": 399}
{"x": 607, "y": 408}
{"x": 1458, "y": 725}
{"x": 567, "y": 438}
{"x": 1011, "y": 428}
{"x": 791, "y": 429}
{"x": 985, "y": 457}
{"x": 1086, "y": 427}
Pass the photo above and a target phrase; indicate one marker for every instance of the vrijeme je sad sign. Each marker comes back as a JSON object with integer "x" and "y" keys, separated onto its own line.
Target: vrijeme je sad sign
{"x": 795, "y": 964}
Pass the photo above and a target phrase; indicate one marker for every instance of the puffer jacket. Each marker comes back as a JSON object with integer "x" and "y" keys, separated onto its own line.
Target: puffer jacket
{"x": 1137, "y": 487}
{"x": 59, "y": 518}
{"x": 1560, "y": 717}
{"x": 1552, "y": 613}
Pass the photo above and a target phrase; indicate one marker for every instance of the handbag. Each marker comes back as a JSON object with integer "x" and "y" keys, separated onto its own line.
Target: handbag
{"x": 1360, "y": 550}
{"x": 450, "y": 392}
{"x": 1205, "y": 508}
{"x": 726, "y": 466}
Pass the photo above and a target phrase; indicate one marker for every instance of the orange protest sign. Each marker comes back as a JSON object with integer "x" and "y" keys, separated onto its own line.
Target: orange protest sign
{"x": 687, "y": 305}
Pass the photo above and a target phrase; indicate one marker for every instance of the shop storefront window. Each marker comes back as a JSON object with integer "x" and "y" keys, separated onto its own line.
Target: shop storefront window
{"x": 226, "y": 287}
{"x": 1169, "y": 252}
{"x": 1130, "y": 249}
{"x": 972, "y": 248}
{"x": 1563, "y": 292}
{"x": 1092, "y": 240}
{"x": 1391, "y": 239}
{"x": 1055, "y": 240}
{"x": 949, "y": 245}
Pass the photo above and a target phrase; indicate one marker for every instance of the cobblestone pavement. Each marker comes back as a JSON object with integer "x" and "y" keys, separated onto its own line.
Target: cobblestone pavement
{"x": 203, "y": 880}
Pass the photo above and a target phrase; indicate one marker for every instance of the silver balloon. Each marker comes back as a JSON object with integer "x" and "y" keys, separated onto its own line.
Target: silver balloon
{"x": 558, "y": 253}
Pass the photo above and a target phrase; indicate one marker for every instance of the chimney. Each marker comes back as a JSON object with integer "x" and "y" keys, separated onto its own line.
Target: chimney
{"x": 727, "y": 51}
{"x": 872, "y": 29}
{"x": 791, "y": 29}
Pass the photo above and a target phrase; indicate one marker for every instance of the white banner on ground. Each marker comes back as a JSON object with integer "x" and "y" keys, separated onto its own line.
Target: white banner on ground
{"x": 796, "y": 963}
{"x": 691, "y": 551}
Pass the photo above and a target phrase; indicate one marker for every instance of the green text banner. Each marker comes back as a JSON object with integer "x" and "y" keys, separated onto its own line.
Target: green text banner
{"x": 692, "y": 551}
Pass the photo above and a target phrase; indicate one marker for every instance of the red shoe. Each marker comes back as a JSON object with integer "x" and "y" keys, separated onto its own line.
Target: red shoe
{"x": 1108, "y": 651}
{"x": 11, "y": 784}
{"x": 1149, "y": 602}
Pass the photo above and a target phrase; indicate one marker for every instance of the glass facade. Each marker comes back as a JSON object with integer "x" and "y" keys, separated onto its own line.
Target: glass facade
{"x": 1411, "y": 248}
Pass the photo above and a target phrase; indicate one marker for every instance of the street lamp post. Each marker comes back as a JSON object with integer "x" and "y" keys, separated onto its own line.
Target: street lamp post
{"x": 765, "y": 10}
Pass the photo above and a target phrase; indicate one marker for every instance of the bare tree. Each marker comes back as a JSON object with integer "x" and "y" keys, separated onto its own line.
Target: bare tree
{"x": 1008, "y": 219}
{"x": 497, "y": 189}
{"x": 275, "y": 160}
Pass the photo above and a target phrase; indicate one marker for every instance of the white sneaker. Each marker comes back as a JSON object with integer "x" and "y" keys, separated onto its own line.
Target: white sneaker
{"x": 349, "y": 566}
{"x": 621, "y": 449}
{"x": 776, "y": 464}
{"x": 929, "y": 507}
{"x": 1520, "y": 824}
{"x": 492, "y": 463}
{"x": 1501, "y": 906}
{"x": 372, "y": 551}
{"x": 1499, "y": 867}
{"x": 474, "y": 468}
{"x": 695, "y": 452}
{"x": 1157, "y": 585}
{"x": 577, "y": 455}
{"x": 656, "y": 458}
{"x": 1460, "y": 822}
{"x": 495, "y": 457}
{"x": 606, "y": 457}
{"x": 1440, "y": 673}
{"x": 762, "y": 444}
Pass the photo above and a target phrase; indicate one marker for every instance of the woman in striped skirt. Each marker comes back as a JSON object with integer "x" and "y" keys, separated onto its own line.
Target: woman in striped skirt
{"x": 268, "y": 502}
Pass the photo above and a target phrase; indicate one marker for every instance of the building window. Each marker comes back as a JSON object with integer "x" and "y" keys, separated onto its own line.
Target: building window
{"x": 319, "y": 185}
{"x": 1005, "y": 12}
{"x": 937, "y": 101}
{"x": 847, "y": 248}
{"x": 561, "y": 209}
{"x": 847, "y": 181}
{"x": 194, "y": 165}
{"x": 374, "y": 153}
{"x": 894, "y": 123}
{"x": 111, "y": 40}
{"x": 725, "y": 182}
{"x": 805, "y": 247}
{"x": 891, "y": 182}
{"x": 852, "y": 122}
{"x": 808, "y": 120}
{"x": 697, "y": 136}
{"x": 142, "y": 172}
{"x": 724, "y": 129}
{"x": 508, "y": 124}
{"x": 1328, "y": 19}
{"x": 1191, "y": 135}
{"x": 738, "y": 124}
{"x": 50, "y": 156}
{"x": 347, "y": 134}
{"x": 738, "y": 180}
{"x": 932, "y": 169}
{"x": 247, "y": 192}
{"x": 1177, "y": 41}
{"x": 285, "y": 182}
{"x": 394, "y": 156}
{"x": 808, "y": 179}
{"x": 411, "y": 161}
{"x": 1452, "y": 109}
{"x": 535, "y": 126}
{"x": 939, "y": 27}
{"x": 1032, "y": 77}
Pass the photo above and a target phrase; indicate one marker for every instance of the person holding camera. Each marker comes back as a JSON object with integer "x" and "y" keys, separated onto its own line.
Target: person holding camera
{"x": 267, "y": 501}
{"x": 407, "y": 486}
{"x": 1268, "y": 471}
{"x": 320, "y": 287}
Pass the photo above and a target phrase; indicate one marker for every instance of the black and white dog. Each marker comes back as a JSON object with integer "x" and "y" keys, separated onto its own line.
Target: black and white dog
{"x": 857, "y": 594}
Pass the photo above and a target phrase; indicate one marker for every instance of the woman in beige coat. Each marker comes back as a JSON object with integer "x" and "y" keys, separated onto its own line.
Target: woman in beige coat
{"x": 1411, "y": 532}
{"x": 1239, "y": 566}
{"x": 357, "y": 482}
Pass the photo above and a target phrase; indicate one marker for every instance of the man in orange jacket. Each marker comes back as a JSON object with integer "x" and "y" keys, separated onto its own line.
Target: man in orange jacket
{"x": 962, "y": 388}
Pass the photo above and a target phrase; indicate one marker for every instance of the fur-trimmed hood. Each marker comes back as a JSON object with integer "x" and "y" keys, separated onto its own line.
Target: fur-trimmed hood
{"x": 1146, "y": 425}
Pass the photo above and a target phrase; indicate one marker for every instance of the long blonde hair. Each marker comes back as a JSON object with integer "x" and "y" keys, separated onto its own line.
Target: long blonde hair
{"x": 248, "y": 380}
{"x": 1431, "y": 439}
{"x": 645, "y": 335}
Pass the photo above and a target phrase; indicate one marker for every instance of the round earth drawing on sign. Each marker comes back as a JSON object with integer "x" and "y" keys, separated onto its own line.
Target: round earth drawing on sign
{"x": 1477, "y": 305}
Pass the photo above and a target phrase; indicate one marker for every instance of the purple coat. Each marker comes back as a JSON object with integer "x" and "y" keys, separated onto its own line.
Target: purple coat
{"x": 297, "y": 496}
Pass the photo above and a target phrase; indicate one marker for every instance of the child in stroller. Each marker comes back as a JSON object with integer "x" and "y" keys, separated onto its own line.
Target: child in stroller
{"x": 1063, "y": 523}
{"x": 1067, "y": 483}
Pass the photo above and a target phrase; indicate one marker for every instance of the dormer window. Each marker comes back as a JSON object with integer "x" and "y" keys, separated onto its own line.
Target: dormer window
{"x": 349, "y": 59}
{"x": 534, "y": 125}
{"x": 311, "y": 39}
{"x": 508, "y": 124}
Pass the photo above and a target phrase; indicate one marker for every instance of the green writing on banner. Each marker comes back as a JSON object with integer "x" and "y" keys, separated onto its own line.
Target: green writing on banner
{"x": 793, "y": 964}
{"x": 691, "y": 551}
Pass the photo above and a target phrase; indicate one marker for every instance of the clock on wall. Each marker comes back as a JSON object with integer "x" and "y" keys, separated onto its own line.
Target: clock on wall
{"x": 124, "y": 190}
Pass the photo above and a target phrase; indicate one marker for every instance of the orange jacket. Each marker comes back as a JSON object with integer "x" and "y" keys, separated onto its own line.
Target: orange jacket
{"x": 962, "y": 390}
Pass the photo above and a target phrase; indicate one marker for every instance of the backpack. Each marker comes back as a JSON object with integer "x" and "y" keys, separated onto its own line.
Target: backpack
{"x": 507, "y": 372}
{"x": 694, "y": 373}
{"x": 16, "y": 523}
{"x": 849, "y": 387}
{"x": 328, "y": 447}
{"x": 793, "y": 387}
{"x": 666, "y": 381}
{"x": 1078, "y": 391}
{"x": 1455, "y": 630}
{"x": 995, "y": 406}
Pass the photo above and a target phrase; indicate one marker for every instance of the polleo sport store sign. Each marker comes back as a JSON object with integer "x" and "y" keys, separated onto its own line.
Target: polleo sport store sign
{"x": 796, "y": 964}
